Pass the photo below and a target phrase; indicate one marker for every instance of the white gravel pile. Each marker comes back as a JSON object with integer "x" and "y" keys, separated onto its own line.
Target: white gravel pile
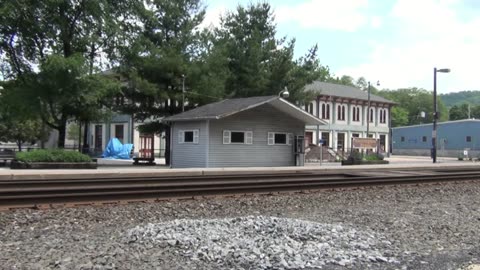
{"x": 259, "y": 242}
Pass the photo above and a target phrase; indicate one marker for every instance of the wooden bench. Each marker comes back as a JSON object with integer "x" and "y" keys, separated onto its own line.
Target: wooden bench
{"x": 143, "y": 161}
{"x": 6, "y": 155}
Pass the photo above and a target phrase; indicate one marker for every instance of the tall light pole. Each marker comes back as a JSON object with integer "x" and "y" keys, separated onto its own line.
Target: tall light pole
{"x": 435, "y": 112}
{"x": 183, "y": 92}
{"x": 368, "y": 108}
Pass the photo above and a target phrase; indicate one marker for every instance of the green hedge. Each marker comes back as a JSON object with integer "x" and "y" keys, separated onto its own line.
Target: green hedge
{"x": 52, "y": 156}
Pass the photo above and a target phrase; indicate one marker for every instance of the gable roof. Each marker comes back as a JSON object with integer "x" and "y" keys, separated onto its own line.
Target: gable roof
{"x": 228, "y": 107}
{"x": 344, "y": 91}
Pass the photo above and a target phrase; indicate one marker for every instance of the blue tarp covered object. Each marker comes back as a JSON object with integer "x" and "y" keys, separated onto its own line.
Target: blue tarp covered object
{"x": 116, "y": 150}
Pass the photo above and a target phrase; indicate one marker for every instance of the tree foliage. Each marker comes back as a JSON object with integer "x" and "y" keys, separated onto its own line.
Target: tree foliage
{"x": 66, "y": 40}
{"x": 15, "y": 125}
{"x": 413, "y": 101}
{"x": 63, "y": 90}
{"x": 261, "y": 64}
{"x": 458, "y": 98}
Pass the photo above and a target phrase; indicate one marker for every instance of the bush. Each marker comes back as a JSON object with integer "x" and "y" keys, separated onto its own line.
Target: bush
{"x": 52, "y": 156}
{"x": 373, "y": 157}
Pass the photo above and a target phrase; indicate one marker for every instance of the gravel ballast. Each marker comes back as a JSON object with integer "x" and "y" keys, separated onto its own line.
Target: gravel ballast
{"x": 392, "y": 227}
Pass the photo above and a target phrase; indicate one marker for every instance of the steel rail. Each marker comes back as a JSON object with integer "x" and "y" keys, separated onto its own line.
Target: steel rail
{"x": 31, "y": 193}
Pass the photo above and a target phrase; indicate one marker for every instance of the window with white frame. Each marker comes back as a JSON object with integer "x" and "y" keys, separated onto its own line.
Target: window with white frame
{"x": 310, "y": 108}
{"x": 356, "y": 114}
{"x": 188, "y": 136}
{"x": 341, "y": 112}
{"x": 237, "y": 137}
{"x": 383, "y": 116}
{"x": 372, "y": 111}
{"x": 280, "y": 138}
{"x": 325, "y": 111}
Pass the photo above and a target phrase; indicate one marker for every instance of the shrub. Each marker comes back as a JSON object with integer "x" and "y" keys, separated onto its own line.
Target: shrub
{"x": 373, "y": 157}
{"x": 54, "y": 155}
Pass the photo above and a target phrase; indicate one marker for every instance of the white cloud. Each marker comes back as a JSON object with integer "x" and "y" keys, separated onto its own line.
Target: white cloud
{"x": 344, "y": 15}
{"x": 212, "y": 17}
{"x": 429, "y": 33}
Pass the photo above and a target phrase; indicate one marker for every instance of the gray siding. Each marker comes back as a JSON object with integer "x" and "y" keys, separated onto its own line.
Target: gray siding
{"x": 189, "y": 155}
{"x": 260, "y": 121}
{"x": 451, "y": 139}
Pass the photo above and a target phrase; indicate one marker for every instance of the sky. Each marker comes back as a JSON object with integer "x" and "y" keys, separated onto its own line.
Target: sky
{"x": 395, "y": 42}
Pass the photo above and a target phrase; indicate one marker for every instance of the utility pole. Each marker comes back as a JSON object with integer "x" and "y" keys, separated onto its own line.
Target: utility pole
{"x": 435, "y": 112}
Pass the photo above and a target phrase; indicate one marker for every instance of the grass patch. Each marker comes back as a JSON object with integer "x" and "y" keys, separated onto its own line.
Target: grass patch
{"x": 52, "y": 155}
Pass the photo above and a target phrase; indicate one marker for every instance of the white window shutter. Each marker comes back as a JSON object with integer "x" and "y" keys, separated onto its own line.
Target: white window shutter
{"x": 271, "y": 138}
{"x": 290, "y": 139}
{"x": 195, "y": 136}
{"x": 226, "y": 136}
{"x": 181, "y": 136}
{"x": 249, "y": 137}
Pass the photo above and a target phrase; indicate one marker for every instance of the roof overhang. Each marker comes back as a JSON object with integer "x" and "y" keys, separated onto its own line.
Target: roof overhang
{"x": 292, "y": 110}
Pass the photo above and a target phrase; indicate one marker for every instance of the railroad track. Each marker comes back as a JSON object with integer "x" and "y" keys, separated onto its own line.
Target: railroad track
{"x": 44, "y": 193}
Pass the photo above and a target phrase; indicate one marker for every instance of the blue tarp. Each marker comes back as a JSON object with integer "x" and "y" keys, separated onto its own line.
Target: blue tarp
{"x": 116, "y": 150}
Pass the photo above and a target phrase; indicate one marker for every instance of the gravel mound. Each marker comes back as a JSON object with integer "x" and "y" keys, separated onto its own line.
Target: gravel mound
{"x": 259, "y": 242}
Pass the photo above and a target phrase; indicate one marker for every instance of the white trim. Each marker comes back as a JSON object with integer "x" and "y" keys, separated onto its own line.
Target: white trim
{"x": 226, "y": 137}
{"x": 290, "y": 138}
{"x": 271, "y": 138}
{"x": 247, "y": 136}
{"x": 195, "y": 136}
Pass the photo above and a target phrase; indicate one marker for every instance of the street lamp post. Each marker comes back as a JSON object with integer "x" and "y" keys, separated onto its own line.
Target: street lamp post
{"x": 368, "y": 108}
{"x": 435, "y": 112}
{"x": 284, "y": 93}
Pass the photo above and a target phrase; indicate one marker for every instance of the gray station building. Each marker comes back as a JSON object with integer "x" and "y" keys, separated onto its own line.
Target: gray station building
{"x": 453, "y": 138}
{"x": 245, "y": 132}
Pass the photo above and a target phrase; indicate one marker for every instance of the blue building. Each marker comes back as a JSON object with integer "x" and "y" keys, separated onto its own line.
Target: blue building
{"x": 453, "y": 138}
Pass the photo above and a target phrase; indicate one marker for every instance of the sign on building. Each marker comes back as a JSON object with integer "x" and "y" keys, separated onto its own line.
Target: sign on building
{"x": 364, "y": 143}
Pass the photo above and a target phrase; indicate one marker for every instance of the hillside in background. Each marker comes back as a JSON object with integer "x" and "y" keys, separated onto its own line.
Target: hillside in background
{"x": 451, "y": 99}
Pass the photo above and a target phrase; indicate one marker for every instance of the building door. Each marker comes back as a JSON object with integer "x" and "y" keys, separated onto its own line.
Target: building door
{"x": 98, "y": 137}
{"x": 341, "y": 142}
{"x": 119, "y": 132}
{"x": 383, "y": 140}
{"x": 326, "y": 139}
{"x": 146, "y": 149}
{"x": 308, "y": 138}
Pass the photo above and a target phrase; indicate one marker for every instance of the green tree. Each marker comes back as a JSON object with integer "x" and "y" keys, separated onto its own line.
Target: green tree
{"x": 415, "y": 101}
{"x": 74, "y": 133}
{"x": 63, "y": 90}
{"x": 261, "y": 64}
{"x": 170, "y": 56}
{"x": 458, "y": 112}
{"x": 36, "y": 33}
{"x": 344, "y": 80}
{"x": 399, "y": 116}
{"x": 15, "y": 125}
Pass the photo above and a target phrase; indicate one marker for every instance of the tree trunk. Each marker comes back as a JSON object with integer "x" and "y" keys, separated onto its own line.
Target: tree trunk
{"x": 167, "y": 145}
{"x": 86, "y": 147}
{"x": 80, "y": 136}
{"x": 19, "y": 144}
{"x": 62, "y": 130}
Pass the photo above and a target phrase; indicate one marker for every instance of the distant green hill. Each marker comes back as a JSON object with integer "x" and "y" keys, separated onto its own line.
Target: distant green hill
{"x": 450, "y": 99}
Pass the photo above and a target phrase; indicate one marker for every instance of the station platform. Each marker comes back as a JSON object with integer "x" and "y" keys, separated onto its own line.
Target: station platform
{"x": 124, "y": 168}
